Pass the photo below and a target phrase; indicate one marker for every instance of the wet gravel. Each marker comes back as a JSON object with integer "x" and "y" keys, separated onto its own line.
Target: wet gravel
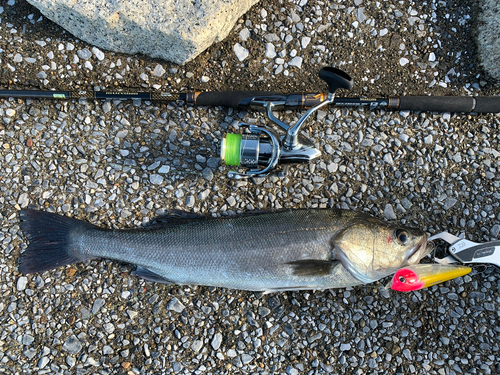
{"x": 120, "y": 164}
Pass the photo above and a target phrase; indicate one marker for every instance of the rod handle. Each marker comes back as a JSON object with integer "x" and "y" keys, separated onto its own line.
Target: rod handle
{"x": 479, "y": 104}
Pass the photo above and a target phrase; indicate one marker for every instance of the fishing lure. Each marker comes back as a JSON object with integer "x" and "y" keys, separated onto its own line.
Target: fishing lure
{"x": 420, "y": 276}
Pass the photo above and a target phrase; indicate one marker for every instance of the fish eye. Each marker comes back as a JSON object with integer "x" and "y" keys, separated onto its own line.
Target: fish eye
{"x": 402, "y": 236}
{"x": 402, "y": 279}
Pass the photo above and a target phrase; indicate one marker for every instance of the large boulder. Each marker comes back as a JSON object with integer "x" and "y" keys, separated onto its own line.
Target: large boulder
{"x": 174, "y": 30}
{"x": 488, "y": 40}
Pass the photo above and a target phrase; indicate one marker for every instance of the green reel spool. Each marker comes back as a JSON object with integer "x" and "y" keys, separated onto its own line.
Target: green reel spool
{"x": 231, "y": 149}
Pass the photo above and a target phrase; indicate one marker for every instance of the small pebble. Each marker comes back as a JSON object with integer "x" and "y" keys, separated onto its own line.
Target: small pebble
{"x": 159, "y": 71}
{"x": 84, "y": 54}
{"x": 244, "y": 34}
{"x": 98, "y": 53}
{"x": 389, "y": 213}
{"x": 216, "y": 341}
{"x": 175, "y": 305}
{"x": 72, "y": 345}
{"x": 241, "y": 52}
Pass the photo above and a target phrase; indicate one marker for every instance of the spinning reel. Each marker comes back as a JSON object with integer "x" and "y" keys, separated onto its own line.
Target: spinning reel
{"x": 263, "y": 146}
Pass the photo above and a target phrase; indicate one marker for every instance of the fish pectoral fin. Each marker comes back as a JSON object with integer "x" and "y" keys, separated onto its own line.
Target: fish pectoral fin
{"x": 149, "y": 275}
{"x": 312, "y": 267}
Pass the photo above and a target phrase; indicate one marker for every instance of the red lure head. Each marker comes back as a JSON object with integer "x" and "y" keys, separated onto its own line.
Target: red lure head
{"x": 406, "y": 280}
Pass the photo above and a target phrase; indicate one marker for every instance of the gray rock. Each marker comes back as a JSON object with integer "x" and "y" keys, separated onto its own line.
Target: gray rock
{"x": 495, "y": 230}
{"x": 159, "y": 71}
{"x": 216, "y": 341}
{"x": 204, "y": 194}
{"x": 332, "y": 167}
{"x": 44, "y": 361}
{"x": 107, "y": 350}
{"x": 106, "y": 107}
{"x": 449, "y": 203}
{"x": 244, "y": 34}
{"x": 213, "y": 162}
{"x": 175, "y": 305}
{"x": 272, "y": 38}
{"x": 98, "y": 304}
{"x": 389, "y": 212}
{"x": 84, "y": 54}
{"x": 240, "y": 51}
{"x": 305, "y": 41}
{"x": 176, "y": 33}
{"x": 405, "y": 202}
{"x": 164, "y": 169}
{"x": 270, "y": 51}
{"x": 72, "y": 345}
{"x": 296, "y": 61}
{"x": 122, "y": 134}
{"x": 345, "y": 347}
{"x": 487, "y": 37}
{"x": 71, "y": 361}
{"x": 388, "y": 159}
{"x": 42, "y": 75}
{"x": 30, "y": 353}
{"x": 28, "y": 339}
{"x": 156, "y": 179}
{"x": 231, "y": 201}
{"x": 190, "y": 201}
{"x": 21, "y": 283}
{"x": 197, "y": 345}
{"x": 428, "y": 140}
{"x": 263, "y": 311}
{"x": 246, "y": 358}
{"x": 98, "y": 53}
{"x": 208, "y": 174}
{"x": 176, "y": 367}
{"x": 360, "y": 15}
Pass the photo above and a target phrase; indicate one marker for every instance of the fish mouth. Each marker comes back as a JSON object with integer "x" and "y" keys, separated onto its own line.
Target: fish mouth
{"x": 419, "y": 251}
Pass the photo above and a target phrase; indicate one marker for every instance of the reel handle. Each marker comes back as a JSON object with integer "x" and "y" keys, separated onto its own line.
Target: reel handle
{"x": 336, "y": 79}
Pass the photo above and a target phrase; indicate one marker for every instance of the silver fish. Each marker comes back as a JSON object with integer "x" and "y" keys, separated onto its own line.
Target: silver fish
{"x": 270, "y": 251}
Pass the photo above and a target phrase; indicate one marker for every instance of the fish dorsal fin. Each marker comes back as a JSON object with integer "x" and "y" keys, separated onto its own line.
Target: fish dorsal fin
{"x": 176, "y": 217}
{"x": 149, "y": 275}
{"x": 312, "y": 267}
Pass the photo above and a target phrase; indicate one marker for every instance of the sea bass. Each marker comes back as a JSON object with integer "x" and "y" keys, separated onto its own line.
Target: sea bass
{"x": 270, "y": 251}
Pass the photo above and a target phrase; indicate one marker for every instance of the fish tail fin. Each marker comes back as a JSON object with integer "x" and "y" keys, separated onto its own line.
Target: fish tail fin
{"x": 50, "y": 241}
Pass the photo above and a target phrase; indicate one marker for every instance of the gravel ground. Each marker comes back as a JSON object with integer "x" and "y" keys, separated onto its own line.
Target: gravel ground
{"x": 119, "y": 164}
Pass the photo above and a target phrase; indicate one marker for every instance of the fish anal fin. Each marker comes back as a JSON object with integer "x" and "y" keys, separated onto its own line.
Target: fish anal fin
{"x": 149, "y": 275}
{"x": 312, "y": 267}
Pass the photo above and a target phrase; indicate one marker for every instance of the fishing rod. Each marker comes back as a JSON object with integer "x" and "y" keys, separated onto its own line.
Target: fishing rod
{"x": 255, "y": 100}
{"x": 263, "y": 146}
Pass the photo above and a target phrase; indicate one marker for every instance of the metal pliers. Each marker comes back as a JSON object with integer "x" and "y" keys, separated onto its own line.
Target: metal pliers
{"x": 465, "y": 251}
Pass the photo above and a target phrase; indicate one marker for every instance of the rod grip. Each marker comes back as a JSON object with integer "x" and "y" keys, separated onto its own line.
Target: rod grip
{"x": 481, "y": 104}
